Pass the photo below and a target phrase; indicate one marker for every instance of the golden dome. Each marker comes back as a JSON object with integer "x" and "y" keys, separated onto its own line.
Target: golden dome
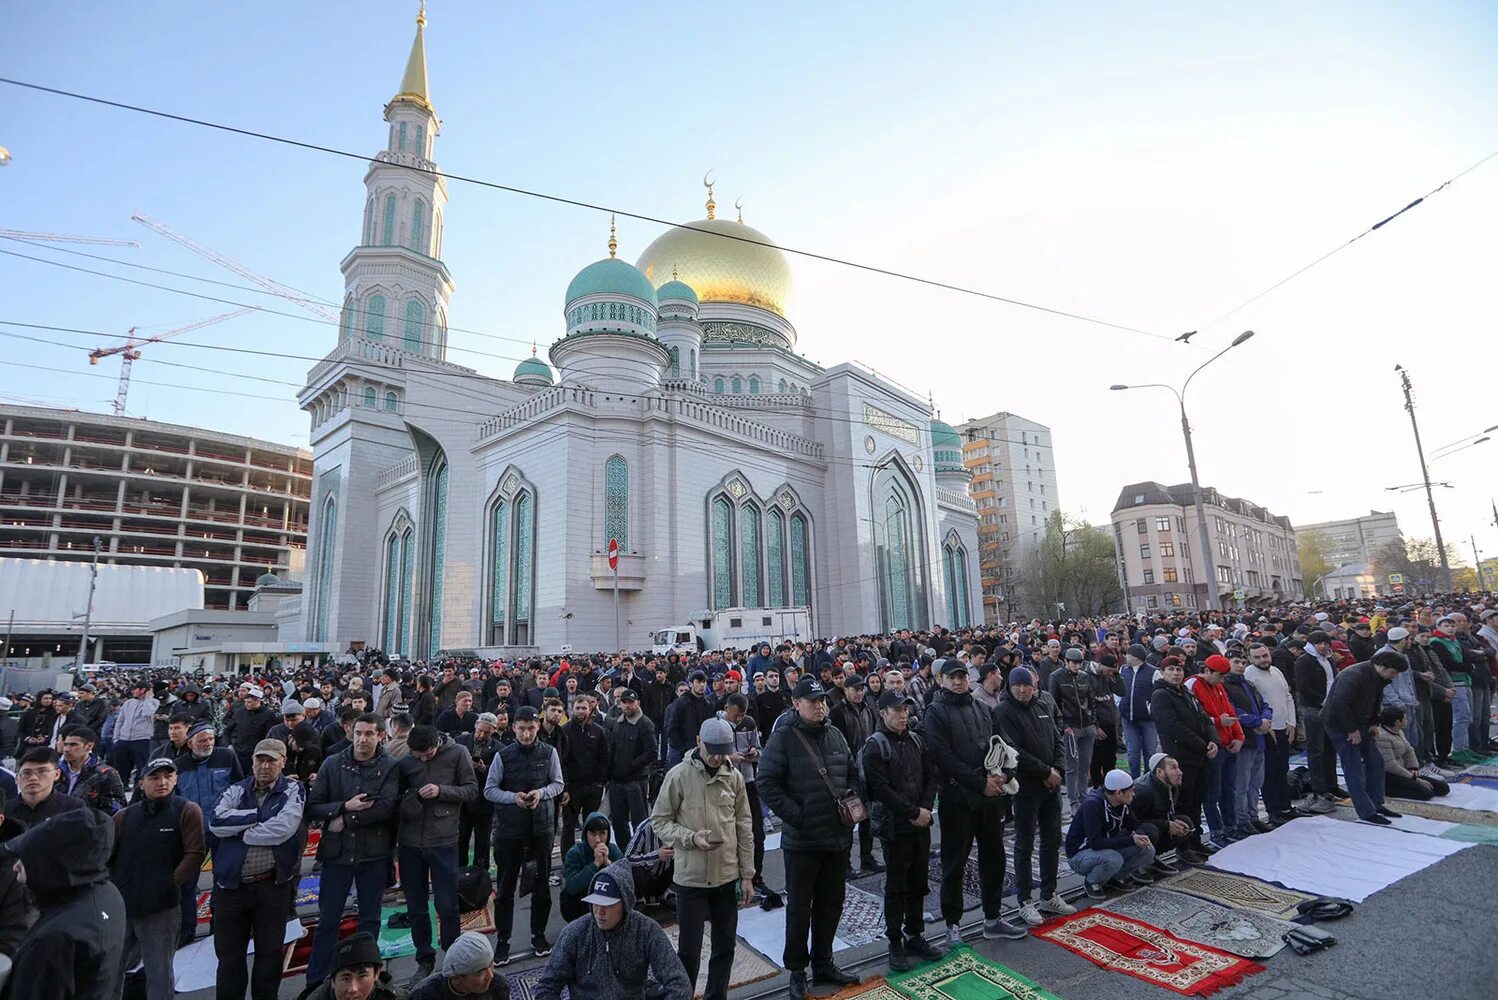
{"x": 720, "y": 269}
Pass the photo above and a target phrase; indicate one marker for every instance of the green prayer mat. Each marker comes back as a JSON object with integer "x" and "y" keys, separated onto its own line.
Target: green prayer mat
{"x": 1472, "y": 833}
{"x": 963, "y": 974}
{"x": 1473, "y": 757}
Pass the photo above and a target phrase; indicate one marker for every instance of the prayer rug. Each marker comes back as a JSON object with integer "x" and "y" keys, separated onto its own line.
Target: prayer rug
{"x": 1464, "y": 795}
{"x": 1451, "y": 814}
{"x": 394, "y": 942}
{"x": 306, "y": 891}
{"x": 1236, "y": 891}
{"x": 963, "y": 974}
{"x": 1238, "y": 932}
{"x": 749, "y": 966}
{"x": 1333, "y": 857}
{"x": 523, "y": 983}
{"x": 1470, "y": 757}
{"x": 875, "y": 989}
{"x": 862, "y": 920}
{"x": 1147, "y": 953}
{"x": 1482, "y": 771}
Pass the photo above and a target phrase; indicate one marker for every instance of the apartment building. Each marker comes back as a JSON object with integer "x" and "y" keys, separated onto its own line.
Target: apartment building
{"x": 1252, "y": 557}
{"x": 1014, "y": 485}
{"x": 154, "y": 494}
{"x": 1356, "y": 539}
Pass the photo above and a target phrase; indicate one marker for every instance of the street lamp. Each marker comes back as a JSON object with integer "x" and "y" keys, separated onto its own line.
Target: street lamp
{"x": 1204, "y": 544}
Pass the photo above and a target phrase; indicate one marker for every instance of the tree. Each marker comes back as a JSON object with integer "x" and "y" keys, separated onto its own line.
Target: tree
{"x": 1075, "y": 565}
{"x": 1311, "y": 547}
{"x": 1417, "y": 559}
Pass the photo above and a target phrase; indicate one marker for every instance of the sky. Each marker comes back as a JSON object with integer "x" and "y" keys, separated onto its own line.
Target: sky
{"x": 1146, "y": 164}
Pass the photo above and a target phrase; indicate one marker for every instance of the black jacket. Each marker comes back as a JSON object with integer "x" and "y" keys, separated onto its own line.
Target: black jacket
{"x": 900, "y": 787}
{"x": 584, "y": 751}
{"x": 685, "y": 716}
{"x": 1032, "y": 731}
{"x": 790, "y": 785}
{"x": 368, "y": 834}
{"x": 1155, "y": 802}
{"x": 1284, "y": 659}
{"x": 1076, "y": 697}
{"x": 956, "y": 730}
{"x": 1310, "y": 681}
{"x": 856, "y": 722}
{"x": 1354, "y": 700}
{"x": 244, "y": 728}
{"x": 90, "y": 713}
{"x": 631, "y": 748}
{"x": 1183, "y": 727}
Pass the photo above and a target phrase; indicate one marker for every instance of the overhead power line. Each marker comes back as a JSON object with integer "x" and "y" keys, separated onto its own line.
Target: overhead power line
{"x": 591, "y": 206}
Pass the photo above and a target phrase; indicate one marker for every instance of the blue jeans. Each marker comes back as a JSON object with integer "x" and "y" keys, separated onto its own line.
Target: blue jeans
{"x": 1100, "y": 866}
{"x": 368, "y": 880}
{"x": 1217, "y": 804}
{"x": 1247, "y": 785}
{"x": 1461, "y": 718}
{"x": 440, "y": 865}
{"x": 1143, "y": 742}
{"x": 1362, "y": 771}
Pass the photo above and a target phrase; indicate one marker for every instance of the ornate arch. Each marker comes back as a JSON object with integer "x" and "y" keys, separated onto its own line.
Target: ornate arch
{"x": 510, "y": 560}
{"x": 898, "y": 512}
{"x": 398, "y": 554}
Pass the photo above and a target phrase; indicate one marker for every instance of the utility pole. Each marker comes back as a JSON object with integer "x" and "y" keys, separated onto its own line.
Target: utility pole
{"x": 1430, "y": 497}
{"x": 88, "y": 610}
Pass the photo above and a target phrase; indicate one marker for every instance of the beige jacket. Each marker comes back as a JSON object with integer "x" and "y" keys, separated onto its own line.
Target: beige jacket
{"x": 690, "y": 799}
{"x": 1399, "y": 757}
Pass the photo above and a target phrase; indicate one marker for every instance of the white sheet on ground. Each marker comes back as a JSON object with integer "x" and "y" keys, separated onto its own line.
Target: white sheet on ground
{"x": 1419, "y": 824}
{"x": 196, "y": 965}
{"x": 1470, "y": 797}
{"x": 1332, "y": 857}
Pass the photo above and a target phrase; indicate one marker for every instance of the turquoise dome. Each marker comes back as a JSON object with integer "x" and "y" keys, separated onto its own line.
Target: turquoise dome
{"x": 611, "y": 276}
{"x": 674, "y": 289}
{"x": 946, "y": 447}
{"x": 533, "y": 368}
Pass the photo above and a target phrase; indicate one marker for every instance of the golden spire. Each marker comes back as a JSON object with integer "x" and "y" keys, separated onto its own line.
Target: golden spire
{"x": 738, "y": 203}
{"x": 414, "y": 83}
{"x": 712, "y": 206}
{"x": 613, "y": 240}
{"x": 533, "y": 348}
{"x": 673, "y": 272}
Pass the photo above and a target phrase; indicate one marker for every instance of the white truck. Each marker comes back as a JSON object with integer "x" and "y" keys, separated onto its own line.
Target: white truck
{"x": 734, "y": 628}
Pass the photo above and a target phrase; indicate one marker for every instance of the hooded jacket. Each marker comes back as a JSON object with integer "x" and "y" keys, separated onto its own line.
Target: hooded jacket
{"x": 77, "y": 944}
{"x": 1249, "y": 706}
{"x": 1215, "y": 704}
{"x": 1138, "y": 685}
{"x": 1098, "y": 826}
{"x": 578, "y": 868}
{"x": 633, "y": 960}
{"x": 1183, "y": 726}
{"x": 434, "y": 822}
{"x": 694, "y": 798}
{"x": 1032, "y": 730}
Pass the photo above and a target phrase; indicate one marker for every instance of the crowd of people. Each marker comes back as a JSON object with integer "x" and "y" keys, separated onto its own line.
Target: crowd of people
{"x": 658, "y": 778}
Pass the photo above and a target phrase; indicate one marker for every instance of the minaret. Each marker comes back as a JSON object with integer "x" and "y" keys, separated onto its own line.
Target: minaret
{"x": 396, "y": 288}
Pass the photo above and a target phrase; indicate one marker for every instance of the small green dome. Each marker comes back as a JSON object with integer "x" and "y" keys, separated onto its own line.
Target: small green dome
{"x": 611, "y": 276}
{"x": 946, "y": 447}
{"x": 533, "y": 368}
{"x": 674, "y": 289}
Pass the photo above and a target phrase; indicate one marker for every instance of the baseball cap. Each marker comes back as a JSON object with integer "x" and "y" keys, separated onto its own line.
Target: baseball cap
{"x": 160, "y": 764}
{"x": 249, "y": 692}
{"x": 6, "y": 704}
{"x": 355, "y": 950}
{"x": 627, "y": 694}
{"x": 809, "y": 687}
{"x": 854, "y": 681}
{"x": 604, "y": 891}
{"x": 488, "y": 718}
{"x": 716, "y": 736}
{"x": 1116, "y": 780}
{"x": 697, "y": 675}
{"x": 270, "y": 748}
{"x": 1074, "y": 654}
{"x": 952, "y": 665}
{"x": 892, "y": 698}
{"x": 526, "y": 713}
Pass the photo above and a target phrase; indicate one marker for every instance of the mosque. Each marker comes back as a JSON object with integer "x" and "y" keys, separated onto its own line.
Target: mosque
{"x": 456, "y": 510}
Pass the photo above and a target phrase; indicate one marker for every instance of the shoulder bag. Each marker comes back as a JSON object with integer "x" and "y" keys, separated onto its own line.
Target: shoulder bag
{"x": 850, "y": 808}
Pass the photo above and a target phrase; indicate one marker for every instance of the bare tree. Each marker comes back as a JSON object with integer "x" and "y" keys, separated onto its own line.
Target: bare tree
{"x": 1075, "y": 569}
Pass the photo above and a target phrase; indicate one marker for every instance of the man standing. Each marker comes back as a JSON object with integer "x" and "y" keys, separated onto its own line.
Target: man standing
{"x": 1104, "y": 843}
{"x": 1189, "y": 737}
{"x": 746, "y": 753}
{"x": 84, "y": 776}
{"x": 1138, "y": 677}
{"x": 523, "y": 782}
{"x": 1028, "y": 726}
{"x": 158, "y": 848}
{"x": 685, "y": 716}
{"x": 1073, "y": 691}
{"x": 476, "y": 819}
{"x": 804, "y": 770}
{"x": 957, "y": 731}
{"x": 632, "y": 748}
{"x": 460, "y": 718}
{"x": 134, "y": 724}
{"x": 1352, "y": 713}
{"x": 39, "y": 798}
{"x": 584, "y": 751}
{"x": 901, "y": 779}
{"x": 1256, "y": 720}
{"x": 1313, "y": 679}
{"x": 1274, "y": 691}
{"x": 441, "y": 783}
{"x": 258, "y": 825}
{"x": 854, "y": 717}
{"x": 1222, "y": 769}
{"x": 354, "y": 797}
{"x": 703, "y": 812}
{"x": 246, "y": 724}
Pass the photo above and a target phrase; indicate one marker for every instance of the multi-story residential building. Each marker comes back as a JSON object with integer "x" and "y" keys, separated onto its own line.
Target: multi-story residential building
{"x": 154, "y": 494}
{"x": 1014, "y": 486}
{"x": 1156, "y": 530}
{"x": 1356, "y": 539}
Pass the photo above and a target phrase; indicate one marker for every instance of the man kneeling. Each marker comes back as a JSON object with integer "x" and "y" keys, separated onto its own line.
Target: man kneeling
{"x": 1402, "y": 776}
{"x": 1158, "y": 807}
{"x": 1104, "y": 843}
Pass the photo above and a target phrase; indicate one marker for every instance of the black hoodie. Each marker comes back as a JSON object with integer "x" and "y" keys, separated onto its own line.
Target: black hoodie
{"x": 77, "y": 944}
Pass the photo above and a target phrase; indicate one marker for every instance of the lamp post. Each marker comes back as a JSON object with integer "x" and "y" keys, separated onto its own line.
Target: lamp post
{"x": 1204, "y": 544}
{"x": 1430, "y": 496}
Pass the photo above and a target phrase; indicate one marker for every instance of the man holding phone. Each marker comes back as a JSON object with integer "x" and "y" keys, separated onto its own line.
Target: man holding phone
{"x": 702, "y": 811}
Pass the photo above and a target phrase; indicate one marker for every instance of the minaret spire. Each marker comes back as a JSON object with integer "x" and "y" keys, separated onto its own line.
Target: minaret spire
{"x": 613, "y": 238}
{"x": 414, "y": 82}
{"x": 712, "y": 206}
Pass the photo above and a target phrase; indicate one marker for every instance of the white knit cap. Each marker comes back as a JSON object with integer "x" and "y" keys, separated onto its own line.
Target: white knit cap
{"x": 1116, "y": 780}
{"x": 470, "y": 953}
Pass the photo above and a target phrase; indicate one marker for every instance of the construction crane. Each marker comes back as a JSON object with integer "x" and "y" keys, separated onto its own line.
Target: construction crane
{"x": 101, "y": 241}
{"x": 129, "y": 351}
{"x": 301, "y": 298}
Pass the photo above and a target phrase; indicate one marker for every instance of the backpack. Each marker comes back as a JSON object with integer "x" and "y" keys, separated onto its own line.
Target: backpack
{"x": 475, "y": 888}
{"x": 886, "y": 751}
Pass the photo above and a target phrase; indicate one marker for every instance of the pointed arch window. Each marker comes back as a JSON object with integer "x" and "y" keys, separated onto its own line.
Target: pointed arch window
{"x": 437, "y": 570}
{"x": 369, "y": 225}
{"x": 780, "y": 386}
{"x": 718, "y": 384}
{"x": 326, "y": 551}
{"x": 964, "y": 605}
{"x": 387, "y": 223}
{"x": 346, "y": 328}
{"x": 722, "y": 552}
{"x": 898, "y": 548}
{"x": 401, "y": 143}
{"x": 397, "y": 587}
{"x": 949, "y": 572}
{"x": 749, "y": 528}
{"x": 499, "y": 526}
{"x": 775, "y": 559}
{"x": 391, "y": 402}
{"x": 675, "y": 353}
{"x": 511, "y": 567}
{"x": 523, "y": 569}
{"x": 370, "y": 397}
{"x": 800, "y": 561}
{"x": 616, "y": 501}
{"x": 374, "y": 317}
{"x": 419, "y": 226}
{"x": 421, "y": 141}
{"x": 408, "y": 565}
{"x": 416, "y": 318}
{"x": 738, "y": 385}
{"x": 754, "y": 385}
{"x": 694, "y": 362}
